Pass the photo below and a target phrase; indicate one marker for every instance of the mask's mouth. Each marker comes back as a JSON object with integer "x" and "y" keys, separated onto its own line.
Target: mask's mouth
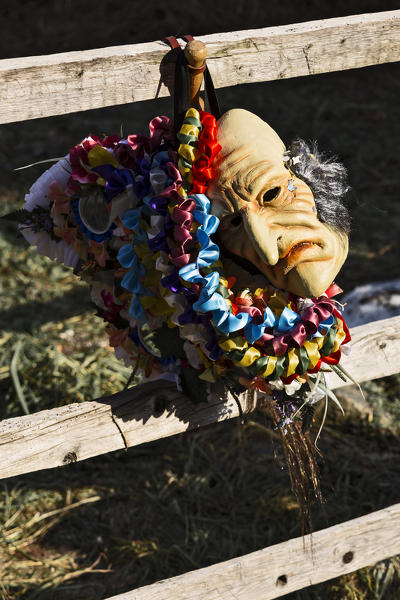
{"x": 296, "y": 254}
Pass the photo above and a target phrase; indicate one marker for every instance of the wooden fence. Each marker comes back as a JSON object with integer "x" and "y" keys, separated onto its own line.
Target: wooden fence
{"x": 42, "y": 86}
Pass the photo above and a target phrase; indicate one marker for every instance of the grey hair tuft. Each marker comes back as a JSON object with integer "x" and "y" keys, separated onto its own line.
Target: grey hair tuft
{"x": 327, "y": 179}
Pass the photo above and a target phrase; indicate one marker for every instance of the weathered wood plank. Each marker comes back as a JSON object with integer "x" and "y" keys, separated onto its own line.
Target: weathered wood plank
{"x": 51, "y": 438}
{"x": 286, "y": 567}
{"x": 41, "y": 86}
{"x": 56, "y": 437}
{"x": 375, "y": 349}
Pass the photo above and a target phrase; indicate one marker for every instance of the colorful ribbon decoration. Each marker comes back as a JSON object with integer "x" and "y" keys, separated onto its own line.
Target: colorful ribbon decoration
{"x": 158, "y": 266}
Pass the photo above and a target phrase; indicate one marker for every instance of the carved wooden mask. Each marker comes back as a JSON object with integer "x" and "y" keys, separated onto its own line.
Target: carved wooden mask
{"x": 269, "y": 218}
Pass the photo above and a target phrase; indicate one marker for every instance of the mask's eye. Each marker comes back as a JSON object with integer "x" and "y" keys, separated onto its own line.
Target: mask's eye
{"x": 271, "y": 194}
{"x": 232, "y": 222}
{"x": 236, "y": 221}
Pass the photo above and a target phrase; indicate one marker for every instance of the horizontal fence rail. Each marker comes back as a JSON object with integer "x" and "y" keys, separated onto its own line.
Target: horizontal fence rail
{"x": 42, "y": 86}
{"x": 75, "y": 432}
{"x": 286, "y": 567}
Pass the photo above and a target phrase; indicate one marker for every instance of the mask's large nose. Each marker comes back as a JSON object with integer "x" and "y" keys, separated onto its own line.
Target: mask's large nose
{"x": 274, "y": 226}
{"x": 265, "y": 238}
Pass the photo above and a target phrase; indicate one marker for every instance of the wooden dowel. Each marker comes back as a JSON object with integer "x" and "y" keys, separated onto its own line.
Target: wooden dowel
{"x": 195, "y": 53}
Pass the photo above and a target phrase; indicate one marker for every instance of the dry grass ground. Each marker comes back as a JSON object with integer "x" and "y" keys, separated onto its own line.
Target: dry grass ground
{"x": 98, "y": 528}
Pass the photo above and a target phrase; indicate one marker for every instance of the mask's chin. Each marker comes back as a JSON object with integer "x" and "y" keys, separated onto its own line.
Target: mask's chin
{"x": 312, "y": 278}
{"x": 307, "y": 286}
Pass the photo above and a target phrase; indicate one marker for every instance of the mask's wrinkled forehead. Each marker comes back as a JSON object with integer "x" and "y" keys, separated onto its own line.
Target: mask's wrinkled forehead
{"x": 240, "y": 126}
{"x": 246, "y": 139}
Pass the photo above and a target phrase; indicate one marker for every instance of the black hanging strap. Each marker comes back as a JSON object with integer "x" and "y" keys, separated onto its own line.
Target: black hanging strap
{"x": 181, "y": 91}
{"x": 181, "y": 84}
